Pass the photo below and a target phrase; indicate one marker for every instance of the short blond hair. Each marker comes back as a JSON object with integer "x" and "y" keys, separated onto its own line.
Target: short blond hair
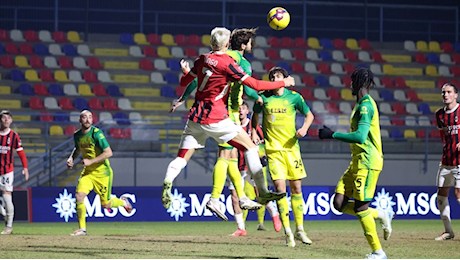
{"x": 220, "y": 36}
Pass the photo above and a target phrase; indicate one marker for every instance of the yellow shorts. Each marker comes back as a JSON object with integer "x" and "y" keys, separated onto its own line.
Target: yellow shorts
{"x": 225, "y": 146}
{"x": 101, "y": 182}
{"x": 357, "y": 183}
{"x": 236, "y": 119}
{"x": 286, "y": 165}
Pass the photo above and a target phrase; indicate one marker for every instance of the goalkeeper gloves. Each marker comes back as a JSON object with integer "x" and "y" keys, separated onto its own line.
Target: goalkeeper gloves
{"x": 325, "y": 133}
{"x": 264, "y": 161}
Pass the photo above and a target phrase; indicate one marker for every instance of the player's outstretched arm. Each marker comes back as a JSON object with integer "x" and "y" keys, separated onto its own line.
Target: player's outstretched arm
{"x": 188, "y": 76}
{"x": 75, "y": 152}
{"x": 359, "y": 136}
{"x": 260, "y": 85}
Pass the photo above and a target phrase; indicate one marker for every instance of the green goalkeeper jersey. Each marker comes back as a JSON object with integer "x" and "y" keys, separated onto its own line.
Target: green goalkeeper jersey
{"x": 369, "y": 154}
{"x": 91, "y": 145}
{"x": 278, "y": 124}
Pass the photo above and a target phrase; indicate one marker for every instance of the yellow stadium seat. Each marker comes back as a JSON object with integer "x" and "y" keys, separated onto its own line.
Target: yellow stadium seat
{"x": 164, "y": 52}
{"x": 409, "y": 133}
{"x": 313, "y": 42}
{"x": 140, "y": 39}
{"x": 56, "y": 130}
{"x": 167, "y": 39}
{"x": 346, "y": 94}
{"x": 5, "y": 90}
{"x": 60, "y": 75}
{"x": 352, "y": 44}
{"x": 73, "y": 36}
{"x": 388, "y": 69}
{"x": 343, "y": 120}
{"x": 422, "y": 46}
{"x": 190, "y": 103}
{"x": 32, "y": 75}
{"x": 21, "y": 62}
{"x": 85, "y": 90}
{"x": 206, "y": 40}
{"x": 265, "y": 77}
{"x": 432, "y": 71}
{"x": 434, "y": 46}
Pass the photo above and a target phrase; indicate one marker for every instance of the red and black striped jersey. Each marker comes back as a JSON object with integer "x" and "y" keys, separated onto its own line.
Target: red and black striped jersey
{"x": 247, "y": 127}
{"x": 8, "y": 141}
{"x": 449, "y": 125}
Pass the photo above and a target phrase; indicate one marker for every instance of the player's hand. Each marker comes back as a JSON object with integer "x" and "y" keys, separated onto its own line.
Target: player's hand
{"x": 301, "y": 132}
{"x": 325, "y": 133}
{"x": 458, "y": 147}
{"x": 184, "y": 66}
{"x": 176, "y": 103}
{"x": 256, "y": 139}
{"x": 25, "y": 171}
{"x": 70, "y": 163}
{"x": 260, "y": 101}
{"x": 86, "y": 162}
{"x": 289, "y": 82}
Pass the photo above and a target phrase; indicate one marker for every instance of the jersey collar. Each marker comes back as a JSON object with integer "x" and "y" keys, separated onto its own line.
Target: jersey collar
{"x": 7, "y": 132}
{"x": 452, "y": 110}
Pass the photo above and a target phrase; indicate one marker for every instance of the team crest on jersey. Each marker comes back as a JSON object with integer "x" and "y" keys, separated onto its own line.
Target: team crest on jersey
{"x": 8, "y": 141}
{"x": 271, "y": 118}
{"x": 363, "y": 110}
{"x": 286, "y": 103}
{"x": 240, "y": 69}
{"x": 456, "y": 119}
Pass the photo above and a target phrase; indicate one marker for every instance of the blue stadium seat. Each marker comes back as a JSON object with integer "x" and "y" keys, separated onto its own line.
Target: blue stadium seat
{"x": 456, "y": 46}
{"x": 61, "y": 117}
{"x": 387, "y": 95}
{"x": 362, "y": 65}
{"x": 2, "y": 50}
{"x": 26, "y": 89}
{"x": 69, "y": 50}
{"x": 249, "y": 56}
{"x": 55, "y": 90}
{"x": 127, "y": 38}
{"x": 171, "y": 78}
{"x": 325, "y": 55}
{"x": 41, "y": 49}
{"x": 174, "y": 65}
{"x": 17, "y": 75}
{"x": 322, "y": 81}
{"x": 121, "y": 118}
{"x": 80, "y": 104}
{"x": 114, "y": 91}
{"x": 284, "y": 65}
{"x": 433, "y": 58}
{"x": 425, "y": 109}
{"x": 397, "y": 135}
{"x": 326, "y": 43}
{"x": 167, "y": 91}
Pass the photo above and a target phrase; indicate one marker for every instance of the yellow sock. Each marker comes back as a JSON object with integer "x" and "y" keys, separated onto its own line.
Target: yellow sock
{"x": 235, "y": 177}
{"x": 249, "y": 191}
{"x": 81, "y": 214}
{"x": 116, "y": 202}
{"x": 283, "y": 208}
{"x": 219, "y": 176}
{"x": 349, "y": 209}
{"x": 297, "y": 208}
{"x": 261, "y": 215}
{"x": 368, "y": 224}
{"x": 245, "y": 214}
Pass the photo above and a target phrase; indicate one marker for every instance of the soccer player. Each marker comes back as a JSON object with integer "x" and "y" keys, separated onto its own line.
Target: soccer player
{"x": 97, "y": 173}
{"x": 9, "y": 140}
{"x": 360, "y": 179}
{"x": 449, "y": 169}
{"x": 249, "y": 186}
{"x": 283, "y": 150}
{"x": 209, "y": 114}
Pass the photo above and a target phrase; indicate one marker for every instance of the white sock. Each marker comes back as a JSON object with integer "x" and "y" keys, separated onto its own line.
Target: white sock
{"x": 9, "y": 209}
{"x": 300, "y": 228}
{"x": 270, "y": 206}
{"x": 255, "y": 169}
{"x": 381, "y": 214}
{"x": 444, "y": 209}
{"x": 379, "y": 252}
{"x": 240, "y": 221}
{"x": 287, "y": 230}
{"x": 174, "y": 168}
{"x": 84, "y": 229}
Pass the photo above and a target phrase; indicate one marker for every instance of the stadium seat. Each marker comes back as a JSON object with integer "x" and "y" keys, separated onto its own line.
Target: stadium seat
{"x": 352, "y": 44}
{"x": 274, "y": 42}
{"x": 338, "y": 56}
{"x": 150, "y": 51}
{"x": 334, "y": 94}
{"x": 167, "y": 91}
{"x": 16, "y": 35}
{"x": 65, "y": 63}
{"x": 421, "y": 134}
{"x": 163, "y": 52}
{"x": 83, "y": 50}
{"x": 69, "y": 50}
{"x": 116, "y": 133}
{"x": 36, "y": 103}
{"x": 385, "y": 108}
{"x": 325, "y": 56}
{"x": 397, "y": 120}
{"x": 114, "y": 91}
{"x": 85, "y": 90}
{"x": 259, "y": 54}
{"x": 66, "y": 104}
{"x": 56, "y": 130}
{"x": 387, "y": 82}
{"x": 106, "y": 118}
{"x": 261, "y": 41}
{"x": 420, "y": 58}
{"x": 307, "y": 94}
{"x": 56, "y": 90}
{"x": 345, "y": 108}
{"x": 333, "y": 108}
{"x": 377, "y": 57}
{"x": 364, "y": 56}
{"x": 346, "y": 80}
{"x": 157, "y": 78}
{"x": 177, "y": 52}
{"x": 397, "y": 135}
{"x": 387, "y": 95}
{"x": 313, "y": 55}
{"x": 46, "y": 116}
{"x": 297, "y": 67}
{"x": 90, "y": 76}
{"x": 323, "y": 68}
{"x": 80, "y": 104}
{"x": 154, "y": 39}
{"x": 351, "y": 56}
{"x": 4, "y": 36}
{"x": 171, "y": 78}
{"x": 412, "y": 108}
{"x": 36, "y": 62}
{"x": 432, "y": 71}
{"x": 412, "y": 95}
{"x": 167, "y": 39}
{"x": 286, "y": 54}
{"x": 26, "y": 89}
{"x": 347, "y": 95}
{"x": 348, "y": 68}
{"x": 135, "y": 51}
{"x": 313, "y": 42}
{"x": 45, "y": 36}
{"x": 70, "y": 130}
{"x": 55, "y": 49}
{"x": 444, "y": 71}
{"x": 32, "y": 75}
{"x": 400, "y": 95}
{"x": 310, "y": 67}
{"x": 425, "y": 109}
{"x": 299, "y": 55}
{"x": 194, "y": 40}
{"x": 400, "y": 83}
{"x": 365, "y": 45}
{"x": 61, "y": 116}
{"x": 320, "y": 94}
{"x": 286, "y": 42}
{"x": 322, "y": 81}
{"x": 95, "y": 104}
{"x": 51, "y": 63}
{"x": 422, "y": 46}
{"x": 284, "y": 65}
{"x": 26, "y": 49}
{"x": 434, "y": 46}
{"x": 79, "y": 63}
{"x": 51, "y": 103}
{"x": 160, "y": 64}
{"x": 447, "y": 47}
{"x": 17, "y": 75}
{"x": 41, "y": 49}
{"x": 94, "y": 63}
{"x": 124, "y": 104}
{"x": 74, "y": 37}
{"x": 11, "y": 48}
{"x": 319, "y": 108}
{"x": 140, "y": 39}
{"x": 127, "y": 38}
{"x": 309, "y": 81}
{"x": 326, "y": 43}
{"x": 445, "y": 58}
{"x": 335, "y": 81}
{"x": 268, "y": 65}
{"x": 376, "y": 69}
{"x": 399, "y": 108}
{"x": 339, "y": 44}
{"x": 7, "y": 62}
{"x": 40, "y": 89}
{"x": 455, "y": 70}
{"x": 433, "y": 58}
{"x": 99, "y": 90}
{"x": 110, "y": 104}
{"x": 61, "y": 76}
{"x": 337, "y": 69}
{"x": 191, "y": 52}
{"x": 409, "y": 46}
{"x": 59, "y": 36}
{"x": 174, "y": 65}
{"x": 121, "y": 118}
{"x": 135, "y": 118}
{"x": 146, "y": 64}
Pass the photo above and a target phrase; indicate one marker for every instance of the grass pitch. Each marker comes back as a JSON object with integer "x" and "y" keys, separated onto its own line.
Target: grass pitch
{"x": 331, "y": 239}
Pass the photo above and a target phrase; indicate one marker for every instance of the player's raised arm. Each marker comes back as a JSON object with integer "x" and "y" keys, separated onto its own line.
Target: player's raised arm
{"x": 189, "y": 74}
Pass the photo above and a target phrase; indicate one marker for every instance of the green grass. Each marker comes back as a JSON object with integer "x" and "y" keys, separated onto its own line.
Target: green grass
{"x": 331, "y": 239}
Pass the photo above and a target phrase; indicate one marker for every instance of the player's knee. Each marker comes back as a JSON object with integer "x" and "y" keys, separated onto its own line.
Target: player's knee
{"x": 338, "y": 206}
{"x": 106, "y": 205}
{"x": 80, "y": 196}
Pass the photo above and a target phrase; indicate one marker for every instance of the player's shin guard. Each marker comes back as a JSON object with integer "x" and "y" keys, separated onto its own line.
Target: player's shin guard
{"x": 368, "y": 224}
{"x": 444, "y": 209}
{"x": 219, "y": 176}
{"x": 81, "y": 214}
{"x": 255, "y": 169}
{"x": 235, "y": 177}
{"x": 174, "y": 168}
{"x": 283, "y": 208}
{"x": 9, "y": 207}
{"x": 297, "y": 208}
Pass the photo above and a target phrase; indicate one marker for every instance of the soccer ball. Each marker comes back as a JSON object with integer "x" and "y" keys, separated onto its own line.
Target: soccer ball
{"x": 278, "y": 18}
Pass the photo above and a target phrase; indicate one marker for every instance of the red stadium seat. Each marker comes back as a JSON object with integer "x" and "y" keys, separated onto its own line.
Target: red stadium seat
{"x": 447, "y": 47}
{"x": 127, "y": 133}
{"x": 377, "y": 57}
{"x": 435, "y": 134}
{"x": 95, "y": 118}
{"x": 300, "y": 42}
{"x": 286, "y": 42}
{"x": 351, "y": 56}
{"x": 324, "y": 68}
{"x": 365, "y": 45}
{"x": 94, "y": 63}
{"x": 333, "y": 108}
{"x": 309, "y": 81}
{"x": 95, "y": 103}
{"x": 4, "y": 36}
{"x": 307, "y": 94}
{"x": 334, "y": 94}
{"x": 90, "y": 76}
{"x": 36, "y": 103}
{"x": 36, "y": 62}
{"x": 179, "y": 91}
{"x": 66, "y": 104}
{"x": 31, "y": 36}
{"x": 65, "y": 63}
{"x": 299, "y": 55}
{"x": 420, "y": 58}
{"x": 70, "y": 129}
{"x": 47, "y": 76}
{"x": 397, "y": 120}
{"x": 26, "y": 49}
{"x": 412, "y": 96}
{"x": 339, "y": 44}
{"x": 11, "y": 48}
{"x": 99, "y": 90}
{"x": 40, "y": 89}
{"x": 46, "y": 116}
{"x": 421, "y": 134}
{"x": 180, "y": 39}
{"x": 7, "y": 62}
{"x": 59, "y": 36}
{"x": 116, "y": 133}
{"x": 297, "y": 67}
{"x": 194, "y": 40}
{"x": 456, "y": 58}
{"x": 110, "y": 104}
{"x": 154, "y": 39}
{"x": 149, "y": 51}
{"x": 273, "y": 54}
{"x": 348, "y": 68}
{"x": 191, "y": 52}
{"x": 274, "y": 42}
{"x": 399, "y": 109}
{"x": 146, "y": 64}
{"x": 387, "y": 82}
{"x": 455, "y": 81}
{"x": 313, "y": 132}
{"x": 400, "y": 83}
{"x": 346, "y": 80}
{"x": 268, "y": 65}
{"x": 441, "y": 82}
{"x": 455, "y": 70}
